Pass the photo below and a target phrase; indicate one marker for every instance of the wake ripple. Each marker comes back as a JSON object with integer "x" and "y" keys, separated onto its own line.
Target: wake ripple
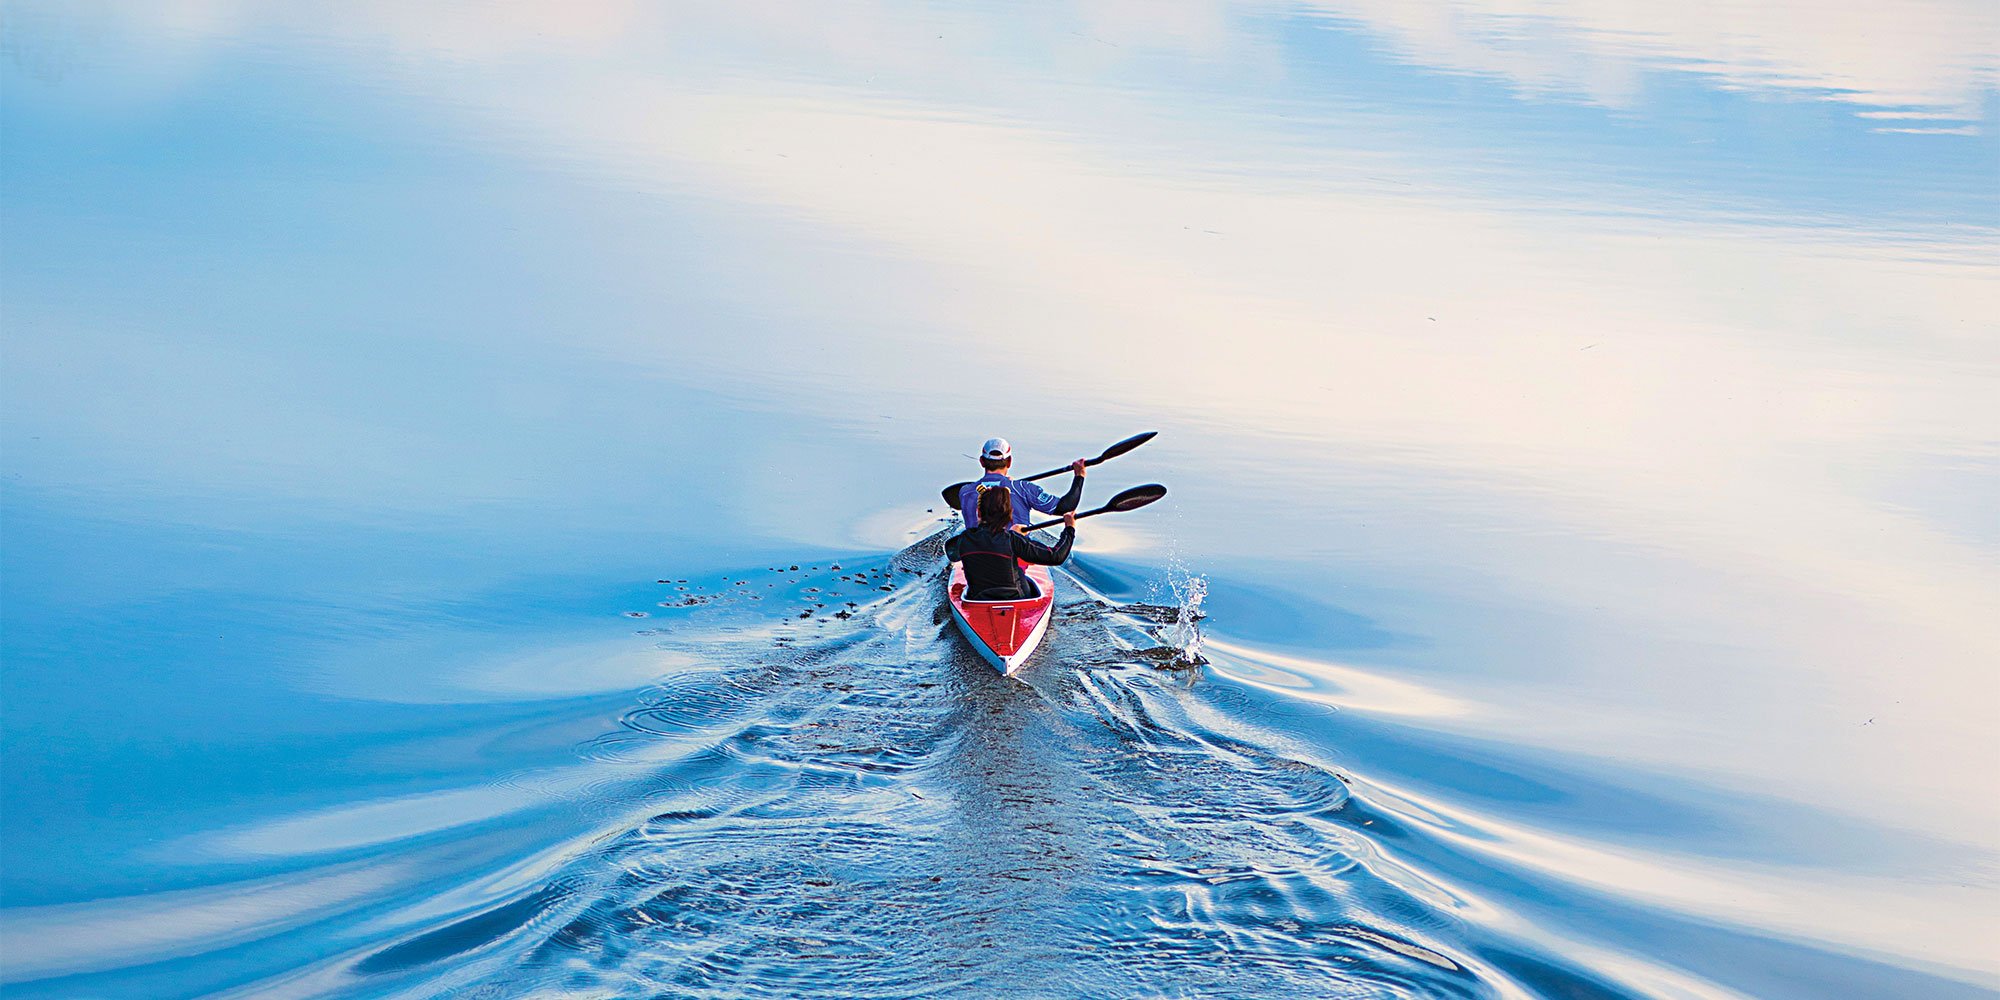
{"x": 858, "y": 807}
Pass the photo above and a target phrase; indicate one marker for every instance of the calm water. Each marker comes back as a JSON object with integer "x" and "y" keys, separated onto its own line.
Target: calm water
{"x": 437, "y": 442}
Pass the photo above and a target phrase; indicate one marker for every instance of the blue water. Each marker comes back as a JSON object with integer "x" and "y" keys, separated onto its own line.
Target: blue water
{"x": 469, "y": 518}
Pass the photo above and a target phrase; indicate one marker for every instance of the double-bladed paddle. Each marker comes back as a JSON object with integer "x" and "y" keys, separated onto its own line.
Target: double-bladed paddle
{"x": 1132, "y": 499}
{"x": 950, "y": 493}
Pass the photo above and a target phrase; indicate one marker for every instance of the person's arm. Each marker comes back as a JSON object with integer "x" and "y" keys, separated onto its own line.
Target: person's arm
{"x": 953, "y": 548}
{"x": 968, "y": 505}
{"x": 1028, "y": 550}
{"x": 1070, "y": 500}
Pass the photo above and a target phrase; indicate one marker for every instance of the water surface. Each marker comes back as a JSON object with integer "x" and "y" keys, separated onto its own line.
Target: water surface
{"x": 424, "y": 428}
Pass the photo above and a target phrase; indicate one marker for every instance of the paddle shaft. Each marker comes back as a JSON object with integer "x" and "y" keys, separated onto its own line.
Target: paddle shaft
{"x": 1132, "y": 499}
{"x": 1080, "y": 515}
{"x": 1109, "y": 453}
{"x": 950, "y": 493}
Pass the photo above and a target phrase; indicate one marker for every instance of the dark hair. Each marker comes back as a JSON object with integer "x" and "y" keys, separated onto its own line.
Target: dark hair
{"x": 996, "y": 507}
{"x": 995, "y": 464}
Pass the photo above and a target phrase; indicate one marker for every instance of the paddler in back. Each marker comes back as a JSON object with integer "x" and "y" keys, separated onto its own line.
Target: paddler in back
{"x": 992, "y": 552}
{"x": 996, "y": 456}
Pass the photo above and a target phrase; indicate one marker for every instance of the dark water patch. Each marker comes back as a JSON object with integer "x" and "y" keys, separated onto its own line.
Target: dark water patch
{"x": 1549, "y": 979}
{"x": 460, "y": 936}
{"x": 1164, "y": 614}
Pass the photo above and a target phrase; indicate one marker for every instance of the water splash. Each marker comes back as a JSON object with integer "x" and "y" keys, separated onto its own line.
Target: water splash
{"x": 1190, "y": 589}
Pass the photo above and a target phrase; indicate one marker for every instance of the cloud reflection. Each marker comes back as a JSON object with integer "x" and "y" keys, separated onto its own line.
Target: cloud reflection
{"x": 1940, "y": 56}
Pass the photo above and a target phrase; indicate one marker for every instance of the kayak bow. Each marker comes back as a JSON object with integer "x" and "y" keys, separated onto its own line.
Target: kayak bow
{"x": 1005, "y": 633}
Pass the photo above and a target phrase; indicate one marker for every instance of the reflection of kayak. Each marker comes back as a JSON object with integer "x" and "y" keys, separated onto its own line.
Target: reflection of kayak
{"x": 1004, "y": 632}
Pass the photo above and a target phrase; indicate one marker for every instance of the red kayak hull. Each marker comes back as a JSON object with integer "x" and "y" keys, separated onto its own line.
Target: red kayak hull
{"x": 1005, "y": 633}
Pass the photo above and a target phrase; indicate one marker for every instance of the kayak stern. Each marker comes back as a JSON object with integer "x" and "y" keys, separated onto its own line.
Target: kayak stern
{"x": 1005, "y": 633}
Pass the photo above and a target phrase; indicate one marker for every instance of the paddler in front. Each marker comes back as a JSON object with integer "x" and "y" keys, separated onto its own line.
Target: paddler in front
{"x": 992, "y": 552}
{"x": 996, "y": 456}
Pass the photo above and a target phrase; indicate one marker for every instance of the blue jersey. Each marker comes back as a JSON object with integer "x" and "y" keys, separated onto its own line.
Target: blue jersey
{"x": 1028, "y": 498}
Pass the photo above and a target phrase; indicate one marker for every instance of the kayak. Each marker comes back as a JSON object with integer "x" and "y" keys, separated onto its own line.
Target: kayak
{"x": 1005, "y": 633}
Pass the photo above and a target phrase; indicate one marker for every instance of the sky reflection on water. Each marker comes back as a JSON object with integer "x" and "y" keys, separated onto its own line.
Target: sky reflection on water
{"x": 1619, "y": 376}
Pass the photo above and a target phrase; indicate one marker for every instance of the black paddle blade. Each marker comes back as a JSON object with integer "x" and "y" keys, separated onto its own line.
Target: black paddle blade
{"x": 1124, "y": 446}
{"x": 950, "y": 494}
{"x": 1136, "y": 497}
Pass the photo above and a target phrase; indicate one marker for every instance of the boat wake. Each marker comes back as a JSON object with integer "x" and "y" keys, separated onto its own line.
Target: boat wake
{"x": 831, "y": 795}
{"x": 868, "y": 810}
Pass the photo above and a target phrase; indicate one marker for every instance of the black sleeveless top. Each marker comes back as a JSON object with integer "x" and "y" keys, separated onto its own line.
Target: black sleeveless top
{"x": 991, "y": 573}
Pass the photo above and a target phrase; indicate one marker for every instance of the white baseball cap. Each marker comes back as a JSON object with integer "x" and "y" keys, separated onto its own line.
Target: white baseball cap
{"x": 995, "y": 449}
